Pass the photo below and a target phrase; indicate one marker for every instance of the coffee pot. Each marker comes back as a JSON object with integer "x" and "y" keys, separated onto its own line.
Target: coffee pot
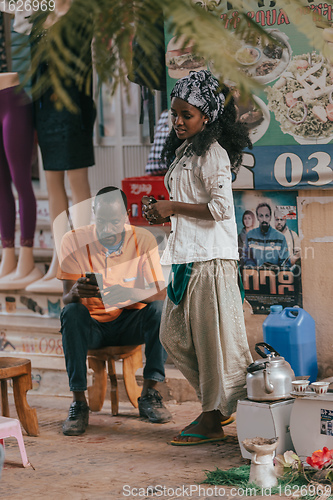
{"x": 262, "y": 471}
{"x": 269, "y": 378}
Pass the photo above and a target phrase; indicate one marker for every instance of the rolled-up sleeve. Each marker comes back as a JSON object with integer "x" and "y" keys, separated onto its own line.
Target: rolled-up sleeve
{"x": 216, "y": 177}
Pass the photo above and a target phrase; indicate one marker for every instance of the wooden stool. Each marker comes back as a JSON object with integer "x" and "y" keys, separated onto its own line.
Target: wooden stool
{"x": 19, "y": 370}
{"x": 132, "y": 360}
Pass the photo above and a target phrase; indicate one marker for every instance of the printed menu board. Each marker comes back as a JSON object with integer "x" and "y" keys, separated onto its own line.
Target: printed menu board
{"x": 291, "y": 119}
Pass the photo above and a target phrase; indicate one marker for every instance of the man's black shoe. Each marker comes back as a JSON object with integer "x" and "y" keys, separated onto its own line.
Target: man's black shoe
{"x": 151, "y": 407}
{"x": 77, "y": 420}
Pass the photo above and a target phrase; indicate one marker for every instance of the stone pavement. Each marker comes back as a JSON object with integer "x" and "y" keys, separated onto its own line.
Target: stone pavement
{"x": 118, "y": 457}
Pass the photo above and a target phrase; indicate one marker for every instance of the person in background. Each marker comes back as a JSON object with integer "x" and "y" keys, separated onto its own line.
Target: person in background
{"x": 154, "y": 165}
{"x": 202, "y": 325}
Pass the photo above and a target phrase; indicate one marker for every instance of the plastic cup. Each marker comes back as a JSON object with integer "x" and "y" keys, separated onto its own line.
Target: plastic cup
{"x": 320, "y": 387}
{"x": 300, "y": 385}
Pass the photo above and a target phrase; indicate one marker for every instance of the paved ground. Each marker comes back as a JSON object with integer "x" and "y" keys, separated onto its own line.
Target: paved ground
{"x": 118, "y": 457}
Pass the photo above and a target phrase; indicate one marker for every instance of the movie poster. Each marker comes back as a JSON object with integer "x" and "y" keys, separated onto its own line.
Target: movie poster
{"x": 269, "y": 248}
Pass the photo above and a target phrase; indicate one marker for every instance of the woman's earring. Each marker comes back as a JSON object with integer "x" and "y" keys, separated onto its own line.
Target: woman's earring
{"x": 205, "y": 122}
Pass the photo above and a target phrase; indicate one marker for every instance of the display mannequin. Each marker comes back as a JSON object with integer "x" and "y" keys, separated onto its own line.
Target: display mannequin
{"x": 16, "y": 146}
{"x": 66, "y": 144}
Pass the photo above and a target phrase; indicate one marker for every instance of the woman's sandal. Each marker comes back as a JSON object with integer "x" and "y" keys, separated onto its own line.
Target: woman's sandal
{"x": 201, "y": 439}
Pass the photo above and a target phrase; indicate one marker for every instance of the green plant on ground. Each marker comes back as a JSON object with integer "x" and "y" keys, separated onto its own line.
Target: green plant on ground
{"x": 294, "y": 478}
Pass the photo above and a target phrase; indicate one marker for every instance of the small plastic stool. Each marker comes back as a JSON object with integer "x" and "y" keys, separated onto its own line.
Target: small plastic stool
{"x": 10, "y": 427}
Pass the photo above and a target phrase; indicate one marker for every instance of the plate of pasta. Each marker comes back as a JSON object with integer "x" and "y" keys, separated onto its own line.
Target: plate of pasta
{"x": 302, "y": 99}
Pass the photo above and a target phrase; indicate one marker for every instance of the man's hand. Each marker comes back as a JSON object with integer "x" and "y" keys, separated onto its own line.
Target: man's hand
{"x": 115, "y": 295}
{"x": 83, "y": 290}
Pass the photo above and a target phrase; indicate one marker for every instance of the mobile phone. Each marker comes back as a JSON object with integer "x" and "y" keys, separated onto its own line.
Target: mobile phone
{"x": 95, "y": 279}
{"x": 146, "y": 200}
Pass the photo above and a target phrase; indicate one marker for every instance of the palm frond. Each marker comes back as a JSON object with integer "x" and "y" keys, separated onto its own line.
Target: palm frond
{"x": 113, "y": 24}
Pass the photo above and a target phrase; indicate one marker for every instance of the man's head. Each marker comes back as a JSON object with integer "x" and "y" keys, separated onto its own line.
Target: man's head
{"x": 280, "y": 220}
{"x": 264, "y": 215}
{"x": 110, "y": 208}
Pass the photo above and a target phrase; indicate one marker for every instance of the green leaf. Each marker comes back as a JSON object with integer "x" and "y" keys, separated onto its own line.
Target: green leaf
{"x": 113, "y": 23}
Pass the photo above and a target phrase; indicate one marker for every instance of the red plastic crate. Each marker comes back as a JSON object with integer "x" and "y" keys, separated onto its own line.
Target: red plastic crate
{"x": 137, "y": 187}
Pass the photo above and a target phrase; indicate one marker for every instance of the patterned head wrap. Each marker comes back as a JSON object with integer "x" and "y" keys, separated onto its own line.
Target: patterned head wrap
{"x": 200, "y": 89}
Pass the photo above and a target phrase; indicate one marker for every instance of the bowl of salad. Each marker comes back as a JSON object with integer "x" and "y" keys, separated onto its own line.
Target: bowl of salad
{"x": 302, "y": 99}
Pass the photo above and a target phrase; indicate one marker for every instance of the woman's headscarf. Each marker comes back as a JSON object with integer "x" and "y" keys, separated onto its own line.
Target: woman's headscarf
{"x": 201, "y": 89}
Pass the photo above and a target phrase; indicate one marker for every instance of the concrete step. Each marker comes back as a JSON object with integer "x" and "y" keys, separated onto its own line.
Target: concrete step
{"x": 53, "y": 381}
{"x": 38, "y": 338}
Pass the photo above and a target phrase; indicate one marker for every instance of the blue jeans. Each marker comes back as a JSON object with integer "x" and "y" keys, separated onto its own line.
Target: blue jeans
{"x": 81, "y": 332}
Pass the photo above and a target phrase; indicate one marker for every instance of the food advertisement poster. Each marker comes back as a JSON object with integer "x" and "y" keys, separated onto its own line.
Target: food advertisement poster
{"x": 291, "y": 119}
{"x": 269, "y": 248}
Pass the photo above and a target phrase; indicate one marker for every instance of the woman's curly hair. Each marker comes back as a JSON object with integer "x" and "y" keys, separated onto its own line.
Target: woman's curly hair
{"x": 232, "y": 135}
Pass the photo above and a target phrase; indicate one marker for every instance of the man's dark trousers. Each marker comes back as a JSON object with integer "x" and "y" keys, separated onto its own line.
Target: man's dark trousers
{"x": 81, "y": 332}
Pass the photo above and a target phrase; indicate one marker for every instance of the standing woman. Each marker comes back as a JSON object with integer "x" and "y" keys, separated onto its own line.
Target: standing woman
{"x": 202, "y": 325}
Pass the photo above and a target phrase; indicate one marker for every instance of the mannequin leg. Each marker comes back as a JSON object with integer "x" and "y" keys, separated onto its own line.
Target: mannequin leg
{"x": 8, "y": 261}
{"x": 81, "y": 196}
{"x": 25, "y": 262}
{"x": 80, "y": 213}
{"x": 7, "y": 215}
{"x": 58, "y": 203}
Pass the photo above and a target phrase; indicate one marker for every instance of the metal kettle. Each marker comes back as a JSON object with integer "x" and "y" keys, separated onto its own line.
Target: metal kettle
{"x": 269, "y": 379}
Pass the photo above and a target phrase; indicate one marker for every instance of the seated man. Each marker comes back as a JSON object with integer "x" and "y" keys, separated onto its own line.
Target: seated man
{"x": 122, "y": 310}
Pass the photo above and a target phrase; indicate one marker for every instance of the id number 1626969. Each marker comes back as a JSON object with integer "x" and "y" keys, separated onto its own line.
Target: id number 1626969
{"x": 304, "y": 490}
{"x": 12, "y": 6}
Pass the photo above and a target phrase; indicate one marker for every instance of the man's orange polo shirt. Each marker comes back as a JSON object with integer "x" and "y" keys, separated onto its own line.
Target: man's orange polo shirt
{"x": 135, "y": 265}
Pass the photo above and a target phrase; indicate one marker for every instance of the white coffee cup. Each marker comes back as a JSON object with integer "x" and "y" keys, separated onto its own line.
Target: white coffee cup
{"x": 300, "y": 385}
{"x": 320, "y": 387}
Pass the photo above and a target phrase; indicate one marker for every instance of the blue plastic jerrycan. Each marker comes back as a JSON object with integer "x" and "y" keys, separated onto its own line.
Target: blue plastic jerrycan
{"x": 291, "y": 331}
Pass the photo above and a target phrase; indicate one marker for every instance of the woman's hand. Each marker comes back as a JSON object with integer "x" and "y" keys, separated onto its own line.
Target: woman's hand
{"x": 162, "y": 208}
{"x": 156, "y": 212}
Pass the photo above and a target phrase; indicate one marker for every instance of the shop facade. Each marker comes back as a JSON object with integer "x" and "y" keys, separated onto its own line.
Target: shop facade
{"x": 291, "y": 173}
